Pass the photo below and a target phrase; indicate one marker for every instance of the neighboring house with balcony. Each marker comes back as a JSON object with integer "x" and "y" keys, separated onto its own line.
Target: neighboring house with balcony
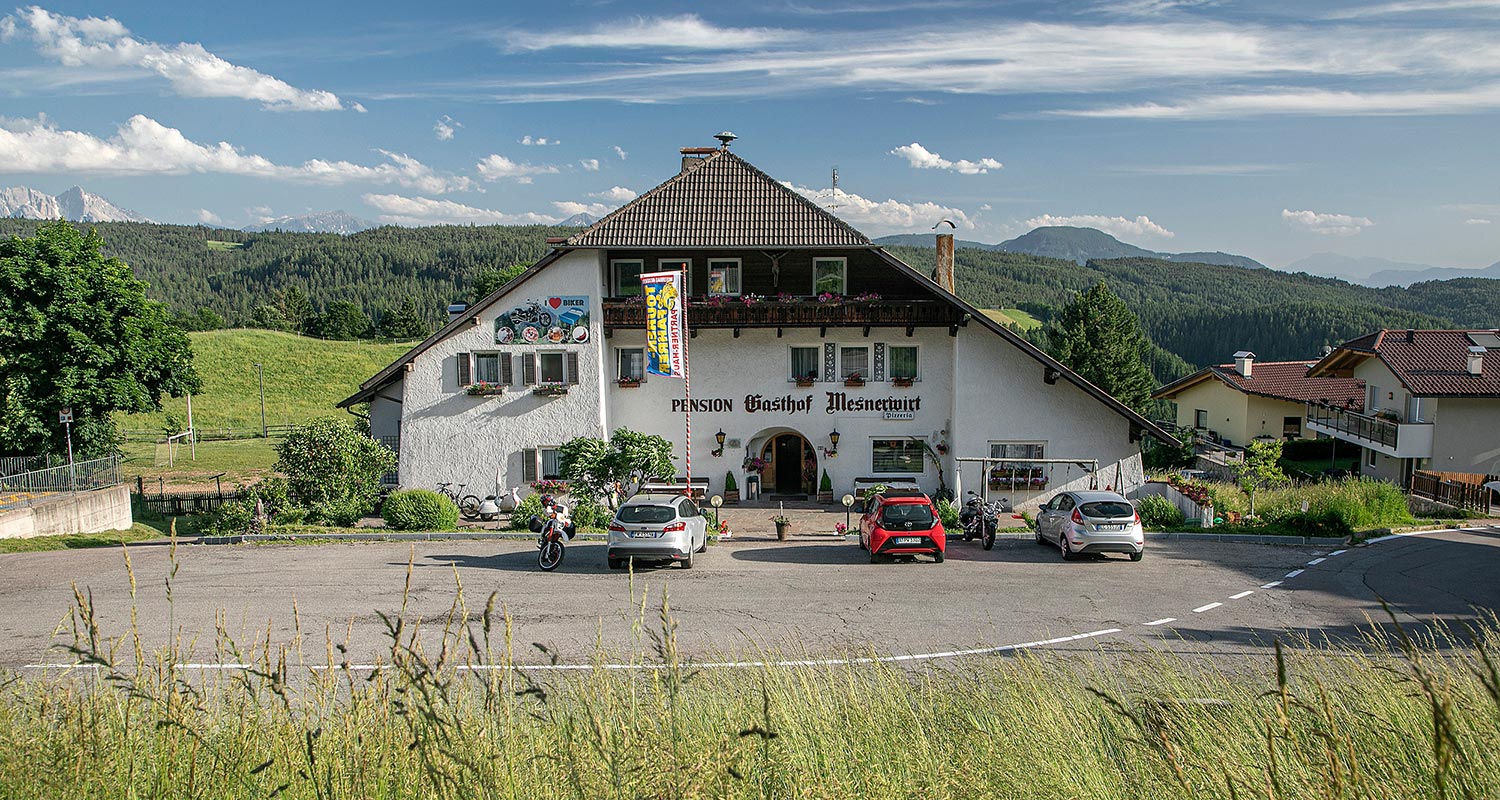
{"x": 1247, "y": 400}
{"x": 811, "y": 349}
{"x": 1432, "y": 401}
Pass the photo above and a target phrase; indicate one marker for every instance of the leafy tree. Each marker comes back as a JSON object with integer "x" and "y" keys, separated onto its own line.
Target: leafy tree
{"x": 491, "y": 278}
{"x": 333, "y": 470}
{"x": 343, "y": 320}
{"x": 204, "y": 319}
{"x": 296, "y": 308}
{"x": 1261, "y": 468}
{"x": 592, "y": 467}
{"x": 76, "y": 330}
{"x": 403, "y": 322}
{"x": 268, "y": 317}
{"x": 1100, "y": 339}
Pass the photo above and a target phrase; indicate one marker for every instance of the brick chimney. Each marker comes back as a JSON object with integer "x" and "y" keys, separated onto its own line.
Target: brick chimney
{"x": 1244, "y": 362}
{"x": 1476, "y": 360}
{"x": 944, "y": 273}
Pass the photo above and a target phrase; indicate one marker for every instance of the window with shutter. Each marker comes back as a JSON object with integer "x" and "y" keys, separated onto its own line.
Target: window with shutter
{"x": 528, "y": 369}
{"x": 505, "y": 370}
{"x": 464, "y": 370}
{"x": 528, "y": 465}
{"x": 572, "y": 369}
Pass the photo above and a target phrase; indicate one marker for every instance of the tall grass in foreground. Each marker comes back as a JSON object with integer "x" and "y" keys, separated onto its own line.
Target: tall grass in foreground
{"x": 1393, "y": 719}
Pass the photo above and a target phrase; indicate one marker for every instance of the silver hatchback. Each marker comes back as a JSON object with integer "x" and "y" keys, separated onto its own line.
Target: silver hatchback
{"x": 657, "y": 527}
{"x": 1091, "y": 522}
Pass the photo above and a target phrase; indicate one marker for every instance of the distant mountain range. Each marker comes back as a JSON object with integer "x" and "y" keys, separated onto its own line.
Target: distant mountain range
{"x": 318, "y": 222}
{"x": 580, "y": 220}
{"x": 74, "y": 205}
{"x": 1373, "y": 271}
{"x": 1078, "y": 245}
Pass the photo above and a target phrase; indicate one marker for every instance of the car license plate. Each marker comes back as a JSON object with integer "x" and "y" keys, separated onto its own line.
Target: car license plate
{"x": 1111, "y": 527}
{"x": 645, "y": 535}
{"x": 908, "y": 540}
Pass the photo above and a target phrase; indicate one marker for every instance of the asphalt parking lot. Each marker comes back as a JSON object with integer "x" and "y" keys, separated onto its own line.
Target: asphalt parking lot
{"x": 813, "y": 597}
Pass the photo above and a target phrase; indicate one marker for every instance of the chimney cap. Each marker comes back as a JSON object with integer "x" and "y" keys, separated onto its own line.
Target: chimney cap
{"x": 1244, "y": 354}
{"x": 698, "y": 151}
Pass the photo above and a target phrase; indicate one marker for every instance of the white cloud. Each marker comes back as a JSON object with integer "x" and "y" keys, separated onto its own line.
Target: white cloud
{"x": 616, "y": 194}
{"x": 494, "y": 167}
{"x": 883, "y": 216}
{"x": 143, "y": 146}
{"x": 687, "y": 31}
{"x": 920, "y": 157}
{"x": 619, "y": 151}
{"x": 445, "y": 127}
{"x": 1150, "y": 8}
{"x": 1478, "y": 221}
{"x": 1413, "y": 6}
{"x": 209, "y": 218}
{"x": 986, "y": 207}
{"x": 570, "y": 207}
{"x": 590, "y": 164}
{"x": 1116, "y": 226}
{"x": 104, "y": 46}
{"x": 401, "y": 210}
{"x": 540, "y": 141}
{"x": 1326, "y": 224}
{"x": 359, "y": 107}
{"x": 1316, "y": 102}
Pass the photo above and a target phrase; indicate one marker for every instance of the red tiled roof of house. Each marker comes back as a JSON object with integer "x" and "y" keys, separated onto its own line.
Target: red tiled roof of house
{"x": 1429, "y": 363}
{"x": 1279, "y": 380}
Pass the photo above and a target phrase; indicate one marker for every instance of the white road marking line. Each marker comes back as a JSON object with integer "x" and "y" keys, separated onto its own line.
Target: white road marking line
{"x": 1337, "y": 553}
{"x": 1316, "y": 561}
{"x": 1294, "y": 573}
{"x": 1162, "y": 621}
{"x": 1271, "y": 585}
{"x": 61, "y": 666}
{"x": 211, "y": 666}
{"x": 1410, "y": 533}
{"x": 1242, "y": 595}
{"x": 1210, "y": 606}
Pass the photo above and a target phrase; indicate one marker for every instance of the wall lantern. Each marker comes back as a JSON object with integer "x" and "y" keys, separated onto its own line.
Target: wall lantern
{"x": 719, "y": 437}
{"x": 834, "y": 439}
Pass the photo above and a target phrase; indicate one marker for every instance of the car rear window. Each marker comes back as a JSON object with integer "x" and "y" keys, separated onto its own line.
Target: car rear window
{"x": 1108, "y": 509}
{"x": 646, "y": 514}
{"x": 918, "y": 514}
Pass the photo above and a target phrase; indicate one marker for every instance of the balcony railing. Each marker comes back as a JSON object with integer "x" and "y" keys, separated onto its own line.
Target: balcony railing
{"x": 733, "y": 313}
{"x": 1359, "y": 426}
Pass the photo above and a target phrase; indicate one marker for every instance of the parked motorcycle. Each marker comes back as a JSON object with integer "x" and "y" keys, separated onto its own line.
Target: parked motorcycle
{"x": 554, "y": 529}
{"x": 981, "y": 519}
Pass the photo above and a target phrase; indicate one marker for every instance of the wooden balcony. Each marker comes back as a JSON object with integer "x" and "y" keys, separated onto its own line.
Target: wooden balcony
{"x": 798, "y": 313}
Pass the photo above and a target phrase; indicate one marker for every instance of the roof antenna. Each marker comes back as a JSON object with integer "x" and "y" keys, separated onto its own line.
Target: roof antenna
{"x": 833, "y": 193}
{"x": 725, "y": 137}
{"x": 950, "y": 224}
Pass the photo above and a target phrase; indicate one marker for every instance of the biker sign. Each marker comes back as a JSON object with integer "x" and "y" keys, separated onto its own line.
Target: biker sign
{"x": 551, "y": 320}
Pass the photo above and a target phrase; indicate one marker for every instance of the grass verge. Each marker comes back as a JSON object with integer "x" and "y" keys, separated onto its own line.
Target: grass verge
{"x": 239, "y": 460}
{"x": 74, "y": 541}
{"x": 447, "y": 714}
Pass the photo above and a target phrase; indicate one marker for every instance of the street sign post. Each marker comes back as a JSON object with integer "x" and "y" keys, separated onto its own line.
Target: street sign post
{"x": 65, "y": 416}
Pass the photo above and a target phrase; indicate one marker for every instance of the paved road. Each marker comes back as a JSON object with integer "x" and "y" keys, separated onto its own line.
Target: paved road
{"x": 810, "y": 597}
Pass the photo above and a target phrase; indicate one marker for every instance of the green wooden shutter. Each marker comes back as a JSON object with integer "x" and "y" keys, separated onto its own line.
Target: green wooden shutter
{"x": 465, "y": 370}
{"x": 528, "y": 369}
{"x": 528, "y": 465}
{"x": 505, "y": 369}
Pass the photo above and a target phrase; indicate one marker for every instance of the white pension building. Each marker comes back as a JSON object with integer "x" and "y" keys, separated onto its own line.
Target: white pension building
{"x": 800, "y": 327}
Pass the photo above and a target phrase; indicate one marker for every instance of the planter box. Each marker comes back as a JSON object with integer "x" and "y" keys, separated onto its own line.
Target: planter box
{"x": 628, "y": 384}
{"x": 803, "y": 383}
{"x": 825, "y": 497}
{"x": 902, "y": 382}
{"x": 854, "y": 384}
{"x": 731, "y": 497}
{"x": 485, "y": 390}
{"x": 550, "y": 391}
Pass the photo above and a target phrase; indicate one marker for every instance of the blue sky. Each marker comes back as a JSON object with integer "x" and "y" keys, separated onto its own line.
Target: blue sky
{"x": 1271, "y": 129}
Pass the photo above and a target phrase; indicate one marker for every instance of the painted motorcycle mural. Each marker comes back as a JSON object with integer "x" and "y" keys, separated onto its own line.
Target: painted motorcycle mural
{"x": 550, "y": 320}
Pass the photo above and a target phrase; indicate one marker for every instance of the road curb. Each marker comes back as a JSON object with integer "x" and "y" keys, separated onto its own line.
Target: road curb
{"x": 1251, "y": 538}
{"x": 392, "y": 536}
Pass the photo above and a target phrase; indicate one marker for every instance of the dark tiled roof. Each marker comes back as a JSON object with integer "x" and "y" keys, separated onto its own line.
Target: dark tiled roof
{"x": 722, "y": 201}
{"x": 1279, "y": 380}
{"x": 1435, "y": 363}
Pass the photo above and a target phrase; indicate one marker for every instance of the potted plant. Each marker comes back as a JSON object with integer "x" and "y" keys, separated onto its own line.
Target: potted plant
{"x": 825, "y": 489}
{"x": 901, "y": 381}
{"x": 854, "y": 379}
{"x": 550, "y": 389}
{"x": 782, "y": 525}
{"x": 628, "y": 383}
{"x": 806, "y": 381}
{"x": 731, "y": 490}
{"x": 483, "y": 389}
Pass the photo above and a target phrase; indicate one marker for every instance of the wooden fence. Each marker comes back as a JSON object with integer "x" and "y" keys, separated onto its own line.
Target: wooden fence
{"x": 176, "y": 504}
{"x": 1458, "y": 489}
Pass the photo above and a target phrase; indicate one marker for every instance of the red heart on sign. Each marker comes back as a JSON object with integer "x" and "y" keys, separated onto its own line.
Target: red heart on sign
{"x": 554, "y": 301}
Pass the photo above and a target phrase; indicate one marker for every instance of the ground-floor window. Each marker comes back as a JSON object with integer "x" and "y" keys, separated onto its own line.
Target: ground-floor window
{"x": 550, "y": 367}
{"x": 1291, "y": 427}
{"x": 541, "y": 463}
{"x": 1018, "y": 474}
{"x": 897, "y": 456}
{"x": 1200, "y": 418}
{"x": 487, "y": 367}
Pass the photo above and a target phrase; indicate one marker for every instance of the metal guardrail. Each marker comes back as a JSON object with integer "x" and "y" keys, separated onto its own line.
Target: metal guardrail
{"x": 13, "y": 465}
{"x": 1360, "y": 426}
{"x": 26, "y": 488}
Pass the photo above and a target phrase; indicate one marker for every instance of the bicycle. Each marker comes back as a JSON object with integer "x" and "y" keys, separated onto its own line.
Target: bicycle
{"x": 468, "y": 504}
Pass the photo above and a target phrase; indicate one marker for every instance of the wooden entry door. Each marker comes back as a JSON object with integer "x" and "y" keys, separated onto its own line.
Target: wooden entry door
{"x": 788, "y": 453}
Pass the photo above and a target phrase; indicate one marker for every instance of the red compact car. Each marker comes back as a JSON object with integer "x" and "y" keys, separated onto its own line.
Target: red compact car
{"x": 902, "y": 525}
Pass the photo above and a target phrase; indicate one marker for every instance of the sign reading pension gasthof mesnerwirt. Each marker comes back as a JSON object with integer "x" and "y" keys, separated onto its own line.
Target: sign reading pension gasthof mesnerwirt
{"x": 563, "y": 319}
{"x": 891, "y": 407}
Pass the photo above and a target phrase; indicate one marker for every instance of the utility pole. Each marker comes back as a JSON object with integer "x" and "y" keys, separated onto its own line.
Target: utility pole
{"x": 261, "y": 376}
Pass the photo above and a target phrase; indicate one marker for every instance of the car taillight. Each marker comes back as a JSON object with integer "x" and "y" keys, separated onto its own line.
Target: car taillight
{"x": 617, "y": 527}
{"x": 1137, "y": 517}
{"x": 674, "y": 527}
{"x": 1077, "y": 517}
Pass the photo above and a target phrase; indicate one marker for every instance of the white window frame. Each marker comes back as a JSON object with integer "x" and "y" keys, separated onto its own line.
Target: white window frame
{"x": 843, "y": 374}
{"x": 843, "y": 273}
{"x": 1370, "y": 459}
{"x": 676, "y": 265}
{"x": 620, "y": 363}
{"x": 1200, "y": 419}
{"x": 541, "y": 462}
{"x": 474, "y": 360}
{"x": 734, "y": 288}
{"x": 890, "y": 369}
{"x": 817, "y": 372}
{"x": 614, "y": 276}
{"x": 562, "y": 368}
{"x": 919, "y": 442}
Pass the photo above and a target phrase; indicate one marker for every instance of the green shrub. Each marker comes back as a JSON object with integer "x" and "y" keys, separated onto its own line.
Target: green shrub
{"x": 948, "y": 513}
{"x": 1362, "y": 503}
{"x": 825, "y": 485}
{"x": 529, "y": 505}
{"x": 231, "y": 519}
{"x": 419, "y": 510}
{"x": 729, "y": 483}
{"x": 1327, "y": 523}
{"x": 343, "y": 512}
{"x": 1158, "y": 513}
{"x": 333, "y": 469}
{"x": 589, "y": 514}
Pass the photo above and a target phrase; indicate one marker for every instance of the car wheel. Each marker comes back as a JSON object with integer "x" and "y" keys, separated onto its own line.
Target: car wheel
{"x": 937, "y": 558}
{"x": 1067, "y": 549}
{"x": 687, "y": 563}
{"x": 1040, "y": 539}
{"x": 874, "y": 557}
{"x": 1136, "y": 556}
{"x": 616, "y": 563}
{"x": 704, "y": 548}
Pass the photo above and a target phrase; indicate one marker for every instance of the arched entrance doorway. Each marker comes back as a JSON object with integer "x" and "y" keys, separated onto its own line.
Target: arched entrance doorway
{"x": 792, "y": 464}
